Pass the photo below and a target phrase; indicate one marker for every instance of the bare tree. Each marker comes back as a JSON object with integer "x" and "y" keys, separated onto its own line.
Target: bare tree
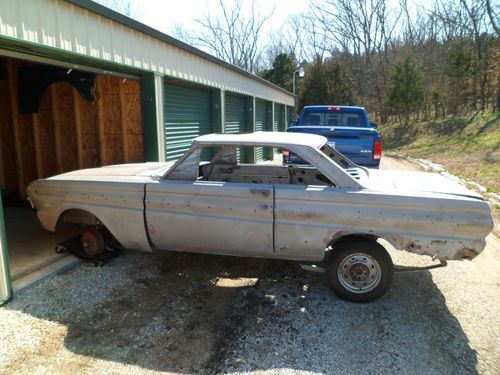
{"x": 121, "y": 6}
{"x": 234, "y": 35}
{"x": 361, "y": 31}
{"x": 359, "y": 26}
{"x": 493, "y": 18}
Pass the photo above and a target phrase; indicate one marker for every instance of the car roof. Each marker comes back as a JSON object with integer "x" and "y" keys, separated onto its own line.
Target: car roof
{"x": 260, "y": 138}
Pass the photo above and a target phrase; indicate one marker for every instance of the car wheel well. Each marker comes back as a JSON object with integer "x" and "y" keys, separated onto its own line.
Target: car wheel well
{"x": 347, "y": 238}
{"x": 77, "y": 216}
{"x": 351, "y": 237}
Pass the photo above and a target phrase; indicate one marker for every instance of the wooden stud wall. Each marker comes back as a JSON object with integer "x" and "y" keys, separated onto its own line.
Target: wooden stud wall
{"x": 68, "y": 132}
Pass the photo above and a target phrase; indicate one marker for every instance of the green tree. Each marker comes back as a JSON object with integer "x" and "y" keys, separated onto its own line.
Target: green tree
{"x": 281, "y": 72}
{"x": 326, "y": 83}
{"x": 313, "y": 89}
{"x": 458, "y": 70}
{"x": 339, "y": 86}
{"x": 406, "y": 88}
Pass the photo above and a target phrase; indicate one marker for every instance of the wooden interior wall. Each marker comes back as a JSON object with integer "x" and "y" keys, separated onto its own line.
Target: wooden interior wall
{"x": 68, "y": 132}
{"x": 119, "y": 118}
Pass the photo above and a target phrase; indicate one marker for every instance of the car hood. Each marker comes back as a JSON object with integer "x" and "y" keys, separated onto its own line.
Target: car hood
{"x": 418, "y": 182}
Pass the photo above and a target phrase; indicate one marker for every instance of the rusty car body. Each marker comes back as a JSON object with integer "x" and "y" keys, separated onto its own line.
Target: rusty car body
{"x": 306, "y": 213}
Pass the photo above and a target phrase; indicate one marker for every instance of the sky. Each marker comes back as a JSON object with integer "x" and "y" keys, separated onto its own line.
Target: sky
{"x": 163, "y": 15}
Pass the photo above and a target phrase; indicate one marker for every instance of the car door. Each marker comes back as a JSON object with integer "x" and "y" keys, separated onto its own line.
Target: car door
{"x": 210, "y": 217}
{"x": 306, "y": 219}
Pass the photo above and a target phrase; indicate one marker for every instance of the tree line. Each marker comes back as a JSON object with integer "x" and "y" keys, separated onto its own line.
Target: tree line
{"x": 401, "y": 62}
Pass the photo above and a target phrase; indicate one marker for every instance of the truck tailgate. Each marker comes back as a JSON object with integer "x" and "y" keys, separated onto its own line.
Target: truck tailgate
{"x": 354, "y": 142}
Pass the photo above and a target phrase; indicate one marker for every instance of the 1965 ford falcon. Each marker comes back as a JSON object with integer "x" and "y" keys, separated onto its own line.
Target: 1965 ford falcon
{"x": 330, "y": 211}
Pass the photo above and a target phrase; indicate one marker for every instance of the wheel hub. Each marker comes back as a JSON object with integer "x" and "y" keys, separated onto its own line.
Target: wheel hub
{"x": 359, "y": 273}
{"x": 92, "y": 242}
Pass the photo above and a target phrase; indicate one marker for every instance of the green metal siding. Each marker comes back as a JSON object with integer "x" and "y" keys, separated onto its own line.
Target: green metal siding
{"x": 188, "y": 114}
{"x": 260, "y": 125}
{"x": 235, "y": 119}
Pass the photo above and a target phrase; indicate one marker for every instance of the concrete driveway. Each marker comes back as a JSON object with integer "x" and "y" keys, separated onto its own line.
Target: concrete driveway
{"x": 186, "y": 313}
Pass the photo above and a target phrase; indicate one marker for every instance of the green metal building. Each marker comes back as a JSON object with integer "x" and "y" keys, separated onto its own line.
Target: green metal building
{"x": 184, "y": 92}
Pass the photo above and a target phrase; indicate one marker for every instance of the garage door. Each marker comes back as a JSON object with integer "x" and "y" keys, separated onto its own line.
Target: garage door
{"x": 235, "y": 114}
{"x": 279, "y": 116}
{"x": 187, "y": 115}
{"x": 276, "y": 117}
{"x": 235, "y": 119}
{"x": 260, "y": 125}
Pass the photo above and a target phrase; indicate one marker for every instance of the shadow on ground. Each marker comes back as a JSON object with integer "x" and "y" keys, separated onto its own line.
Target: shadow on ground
{"x": 206, "y": 314}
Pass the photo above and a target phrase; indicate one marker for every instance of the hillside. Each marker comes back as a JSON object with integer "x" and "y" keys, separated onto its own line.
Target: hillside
{"x": 467, "y": 146}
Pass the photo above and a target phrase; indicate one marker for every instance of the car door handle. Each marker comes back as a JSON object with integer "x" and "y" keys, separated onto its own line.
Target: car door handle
{"x": 264, "y": 192}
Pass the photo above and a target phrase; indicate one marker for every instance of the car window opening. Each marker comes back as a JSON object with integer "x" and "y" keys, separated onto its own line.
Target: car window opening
{"x": 226, "y": 166}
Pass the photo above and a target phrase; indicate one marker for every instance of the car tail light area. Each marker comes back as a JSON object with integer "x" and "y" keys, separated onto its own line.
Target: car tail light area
{"x": 377, "y": 150}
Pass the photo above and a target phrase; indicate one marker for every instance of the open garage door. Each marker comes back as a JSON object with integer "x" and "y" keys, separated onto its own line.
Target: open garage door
{"x": 53, "y": 120}
{"x": 188, "y": 114}
{"x": 50, "y": 125}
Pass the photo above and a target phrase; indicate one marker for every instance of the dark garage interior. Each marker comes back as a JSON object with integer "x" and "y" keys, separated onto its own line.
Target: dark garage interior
{"x": 54, "y": 120}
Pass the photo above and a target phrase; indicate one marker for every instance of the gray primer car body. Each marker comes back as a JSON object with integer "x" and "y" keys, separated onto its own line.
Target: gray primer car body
{"x": 267, "y": 210}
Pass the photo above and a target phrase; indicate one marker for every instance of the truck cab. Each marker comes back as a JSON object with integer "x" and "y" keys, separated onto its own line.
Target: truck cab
{"x": 347, "y": 128}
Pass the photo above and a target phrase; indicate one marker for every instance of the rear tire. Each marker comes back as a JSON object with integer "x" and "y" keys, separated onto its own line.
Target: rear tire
{"x": 359, "y": 270}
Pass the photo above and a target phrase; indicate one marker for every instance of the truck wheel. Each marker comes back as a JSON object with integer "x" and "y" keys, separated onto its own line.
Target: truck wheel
{"x": 359, "y": 270}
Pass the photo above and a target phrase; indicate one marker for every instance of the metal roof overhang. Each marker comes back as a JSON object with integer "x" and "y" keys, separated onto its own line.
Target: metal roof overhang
{"x": 81, "y": 30}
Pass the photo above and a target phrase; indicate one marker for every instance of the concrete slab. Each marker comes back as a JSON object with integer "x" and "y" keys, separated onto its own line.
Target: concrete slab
{"x": 31, "y": 247}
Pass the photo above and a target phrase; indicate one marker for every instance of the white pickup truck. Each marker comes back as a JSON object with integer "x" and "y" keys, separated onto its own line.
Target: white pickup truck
{"x": 330, "y": 211}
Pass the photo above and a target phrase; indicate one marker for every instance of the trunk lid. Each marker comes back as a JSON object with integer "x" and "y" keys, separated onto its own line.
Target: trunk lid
{"x": 418, "y": 182}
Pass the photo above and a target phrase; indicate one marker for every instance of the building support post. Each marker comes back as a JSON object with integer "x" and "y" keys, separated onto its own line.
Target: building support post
{"x": 217, "y": 111}
{"x": 150, "y": 120}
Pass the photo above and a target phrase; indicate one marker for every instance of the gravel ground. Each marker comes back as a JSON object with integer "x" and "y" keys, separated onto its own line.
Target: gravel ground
{"x": 189, "y": 313}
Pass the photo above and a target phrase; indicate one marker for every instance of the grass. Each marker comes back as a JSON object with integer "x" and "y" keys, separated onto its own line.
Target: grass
{"x": 468, "y": 146}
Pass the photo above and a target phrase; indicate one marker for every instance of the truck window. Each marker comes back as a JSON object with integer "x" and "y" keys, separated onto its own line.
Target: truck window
{"x": 333, "y": 118}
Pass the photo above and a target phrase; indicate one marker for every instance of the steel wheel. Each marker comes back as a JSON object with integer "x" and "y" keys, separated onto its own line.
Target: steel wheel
{"x": 359, "y": 273}
{"x": 359, "y": 270}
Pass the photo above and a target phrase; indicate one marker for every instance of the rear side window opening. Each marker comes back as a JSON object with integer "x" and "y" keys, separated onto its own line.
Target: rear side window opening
{"x": 333, "y": 118}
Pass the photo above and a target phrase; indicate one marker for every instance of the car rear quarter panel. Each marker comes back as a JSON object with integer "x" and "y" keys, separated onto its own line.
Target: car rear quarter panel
{"x": 308, "y": 219}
